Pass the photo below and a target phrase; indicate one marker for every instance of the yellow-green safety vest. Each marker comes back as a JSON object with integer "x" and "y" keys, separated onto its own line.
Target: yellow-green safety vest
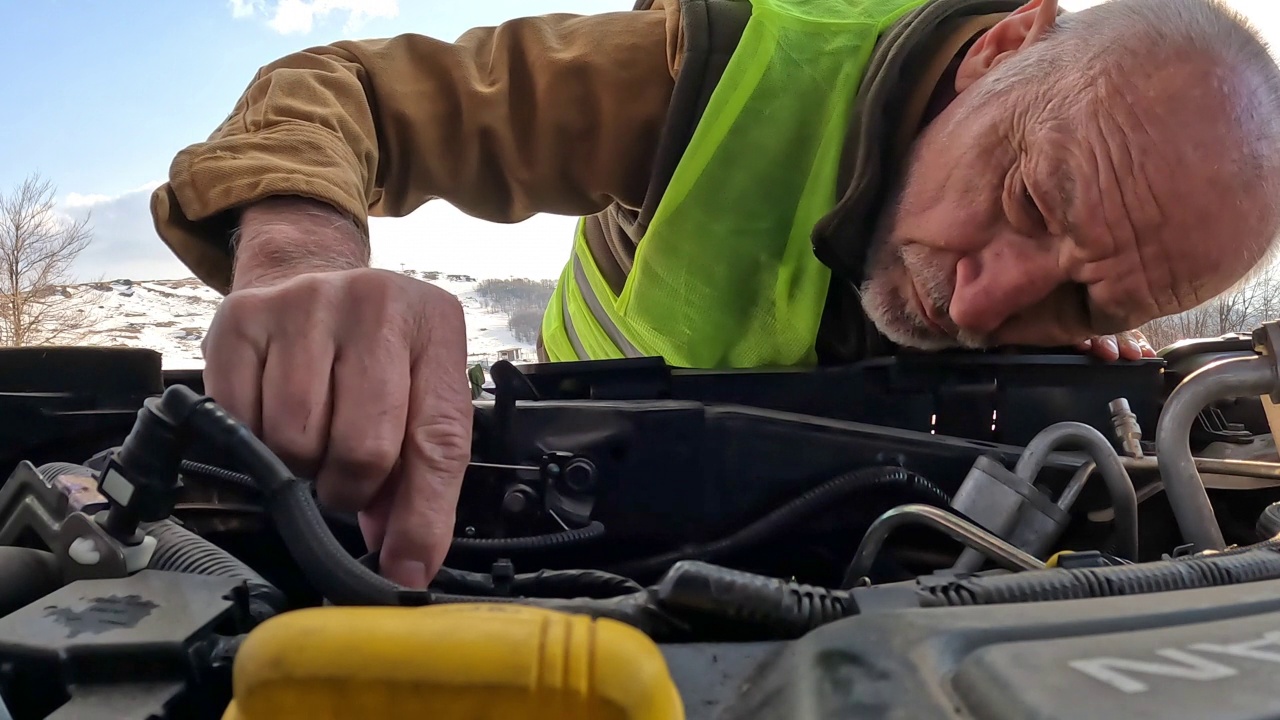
{"x": 725, "y": 275}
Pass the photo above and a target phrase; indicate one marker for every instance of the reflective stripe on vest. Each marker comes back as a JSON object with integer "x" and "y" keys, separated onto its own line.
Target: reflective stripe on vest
{"x": 575, "y": 290}
{"x": 725, "y": 275}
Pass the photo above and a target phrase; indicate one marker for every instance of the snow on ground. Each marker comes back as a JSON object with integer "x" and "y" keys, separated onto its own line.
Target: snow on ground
{"x": 172, "y": 316}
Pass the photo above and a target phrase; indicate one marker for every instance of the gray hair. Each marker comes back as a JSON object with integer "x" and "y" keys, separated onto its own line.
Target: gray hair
{"x": 1137, "y": 36}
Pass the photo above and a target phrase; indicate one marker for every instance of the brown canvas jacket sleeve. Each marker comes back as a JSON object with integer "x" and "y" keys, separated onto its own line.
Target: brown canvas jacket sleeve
{"x": 554, "y": 114}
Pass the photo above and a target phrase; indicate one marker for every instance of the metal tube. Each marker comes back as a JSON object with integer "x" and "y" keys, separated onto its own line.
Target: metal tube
{"x": 1234, "y": 377}
{"x": 1123, "y": 497}
{"x": 960, "y": 530}
{"x": 1078, "y": 481}
{"x": 1215, "y": 466}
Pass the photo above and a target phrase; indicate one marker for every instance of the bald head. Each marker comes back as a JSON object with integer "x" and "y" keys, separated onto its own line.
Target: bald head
{"x": 1094, "y": 171}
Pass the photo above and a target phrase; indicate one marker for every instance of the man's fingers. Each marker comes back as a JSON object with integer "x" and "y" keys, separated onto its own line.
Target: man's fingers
{"x": 1105, "y": 347}
{"x": 370, "y": 407}
{"x": 1130, "y": 345}
{"x": 233, "y": 377}
{"x": 373, "y": 519}
{"x": 437, "y": 446}
{"x": 1129, "y": 348}
{"x": 1144, "y": 345}
{"x": 419, "y": 528}
{"x": 296, "y": 399}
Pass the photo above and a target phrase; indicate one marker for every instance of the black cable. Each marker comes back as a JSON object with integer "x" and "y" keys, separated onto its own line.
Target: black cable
{"x": 1229, "y": 568}
{"x": 542, "y": 584}
{"x": 817, "y": 499}
{"x": 344, "y": 580}
{"x": 1268, "y": 526}
{"x": 338, "y": 576}
{"x": 782, "y": 609}
{"x": 213, "y": 472}
{"x": 574, "y": 536}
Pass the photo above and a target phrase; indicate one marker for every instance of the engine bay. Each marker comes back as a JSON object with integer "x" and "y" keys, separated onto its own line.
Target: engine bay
{"x": 978, "y": 535}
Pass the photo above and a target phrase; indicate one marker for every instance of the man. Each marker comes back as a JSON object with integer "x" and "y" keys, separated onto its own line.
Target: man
{"x": 783, "y": 182}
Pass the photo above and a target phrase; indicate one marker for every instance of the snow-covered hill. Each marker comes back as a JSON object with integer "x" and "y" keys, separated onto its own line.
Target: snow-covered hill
{"x": 171, "y": 317}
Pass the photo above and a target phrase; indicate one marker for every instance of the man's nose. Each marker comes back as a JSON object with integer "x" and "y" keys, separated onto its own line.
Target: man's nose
{"x": 999, "y": 282}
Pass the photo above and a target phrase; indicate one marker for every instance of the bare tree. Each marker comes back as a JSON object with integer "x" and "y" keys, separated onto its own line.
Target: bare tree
{"x": 37, "y": 248}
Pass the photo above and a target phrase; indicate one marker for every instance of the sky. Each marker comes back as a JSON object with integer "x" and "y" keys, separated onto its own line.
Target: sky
{"x": 110, "y": 90}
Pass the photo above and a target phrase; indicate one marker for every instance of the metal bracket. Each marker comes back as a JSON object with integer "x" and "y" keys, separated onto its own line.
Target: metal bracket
{"x": 58, "y": 512}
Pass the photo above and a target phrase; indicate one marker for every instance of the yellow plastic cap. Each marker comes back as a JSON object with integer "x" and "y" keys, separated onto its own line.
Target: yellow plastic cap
{"x": 478, "y": 661}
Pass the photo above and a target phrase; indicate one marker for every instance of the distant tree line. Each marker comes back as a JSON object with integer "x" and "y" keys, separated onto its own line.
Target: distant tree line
{"x": 521, "y": 299}
{"x": 1241, "y": 309}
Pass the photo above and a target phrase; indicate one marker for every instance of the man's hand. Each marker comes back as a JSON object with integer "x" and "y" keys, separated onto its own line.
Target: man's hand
{"x": 1130, "y": 345}
{"x": 354, "y": 376}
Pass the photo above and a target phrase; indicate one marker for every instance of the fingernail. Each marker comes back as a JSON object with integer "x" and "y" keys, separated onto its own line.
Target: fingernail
{"x": 1132, "y": 347}
{"x": 1110, "y": 344}
{"x": 405, "y": 572}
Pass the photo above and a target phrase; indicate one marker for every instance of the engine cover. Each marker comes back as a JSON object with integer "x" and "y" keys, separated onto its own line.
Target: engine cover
{"x": 1211, "y": 654}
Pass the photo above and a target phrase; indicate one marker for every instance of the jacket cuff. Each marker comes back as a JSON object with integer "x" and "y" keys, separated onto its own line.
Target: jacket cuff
{"x": 193, "y": 211}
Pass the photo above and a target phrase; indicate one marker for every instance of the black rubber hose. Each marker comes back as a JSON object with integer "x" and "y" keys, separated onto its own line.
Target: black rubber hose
{"x": 26, "y": 575}
{"x": 544, "y": 583}
{"x": 1251, "y": 565}
{"x": 574, "y": 583}
{"x": 180, "y": 550}
{"x": 593, "y": 531}
{"x": 781, "y": 608}
{"x": 1268, "y": 526}
{"x": 340, "y": 578}
{"x": 817, "y": 499}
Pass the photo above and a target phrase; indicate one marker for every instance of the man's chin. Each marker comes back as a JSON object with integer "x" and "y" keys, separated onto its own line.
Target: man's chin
{"x": 915, "y": 337}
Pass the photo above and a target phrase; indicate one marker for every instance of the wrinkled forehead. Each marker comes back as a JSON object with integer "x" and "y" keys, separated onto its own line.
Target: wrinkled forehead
{"x": 1167, "y": 212}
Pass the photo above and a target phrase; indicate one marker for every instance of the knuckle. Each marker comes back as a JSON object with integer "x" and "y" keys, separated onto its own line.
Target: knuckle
{"x": 372, "y": 459}
{"x": 244, "y": 304}
{"x": 452, "y": 313}
{"x": 370, "y": 284}
{"x": 443, "y": 445}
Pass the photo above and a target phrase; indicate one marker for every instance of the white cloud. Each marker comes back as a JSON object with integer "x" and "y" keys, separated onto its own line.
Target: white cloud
{"x": 299, "y": 16}
{"x": 440, "y": 237}
{"x": 76, "y": 200}
{"x": 436, "y": 237}
{"x": 245, "y": 8}
{"x": 124, "y": 242}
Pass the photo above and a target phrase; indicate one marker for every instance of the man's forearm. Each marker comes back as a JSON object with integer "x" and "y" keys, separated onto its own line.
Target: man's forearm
{"x": 282, "y": 237}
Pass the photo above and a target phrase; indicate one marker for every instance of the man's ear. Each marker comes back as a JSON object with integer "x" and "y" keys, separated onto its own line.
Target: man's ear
{"x": 1019, "y": 30}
